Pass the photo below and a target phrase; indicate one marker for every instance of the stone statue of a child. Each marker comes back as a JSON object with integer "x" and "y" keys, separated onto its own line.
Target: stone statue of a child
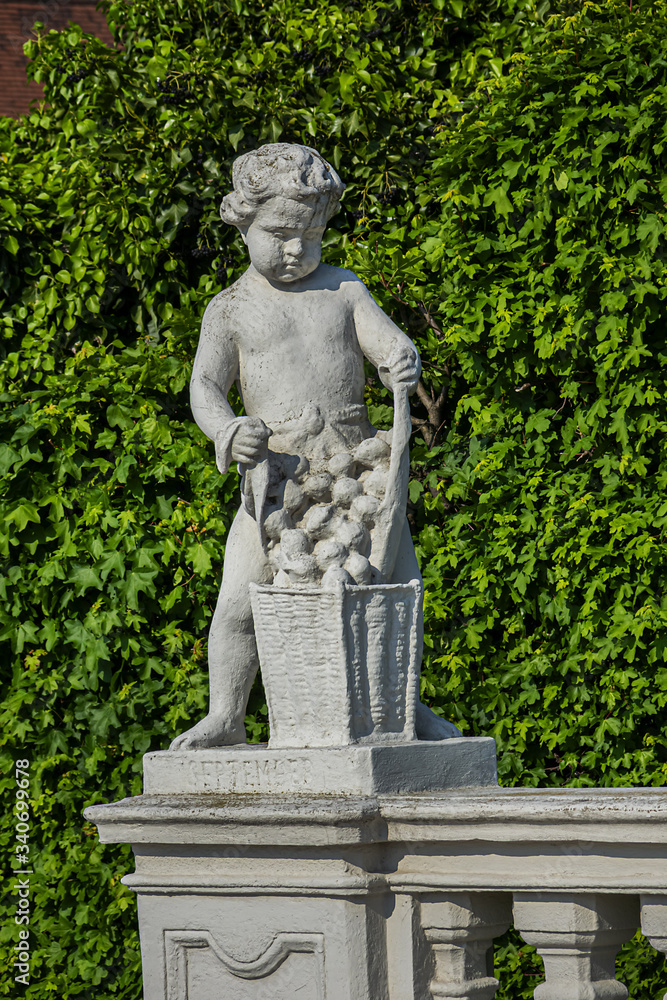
{"x": 292, "y": 333}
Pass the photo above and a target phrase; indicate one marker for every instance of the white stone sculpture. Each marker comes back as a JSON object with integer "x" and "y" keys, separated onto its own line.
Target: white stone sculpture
{"x": 322, "y": 523}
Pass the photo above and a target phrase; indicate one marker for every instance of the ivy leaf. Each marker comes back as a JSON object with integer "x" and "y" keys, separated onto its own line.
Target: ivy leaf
{"x": 22, "y": 515}
{"x": 137, "y": 582}
{"x": 201, "y": 561}
{"x": 498, "y": 197}
{"x": 235, "y": 134}
{"x": 83, "y": 578}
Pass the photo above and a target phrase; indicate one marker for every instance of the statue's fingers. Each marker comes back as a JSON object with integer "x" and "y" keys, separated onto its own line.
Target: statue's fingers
{"x": 255, "y": 442}
{"x": 252, "y": 446}
{"x": 258, "y": 431}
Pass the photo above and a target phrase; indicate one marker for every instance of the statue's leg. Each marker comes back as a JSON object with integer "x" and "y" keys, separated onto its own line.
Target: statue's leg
{"x": 429, "y": 725}
{"x": 232, "y": 651}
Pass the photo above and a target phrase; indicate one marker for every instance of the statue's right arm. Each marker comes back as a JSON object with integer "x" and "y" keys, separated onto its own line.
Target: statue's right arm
{"x": 215, "y": 369}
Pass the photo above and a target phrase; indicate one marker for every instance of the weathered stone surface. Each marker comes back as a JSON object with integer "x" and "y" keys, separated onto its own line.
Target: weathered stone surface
{"x": 578, "y": 936}
{"x": 388, "y": 897}
{"x": 460, "y": 929}
{"x": 349, "y": 770}
{"x": 324, "y": 492}
{"x": 266, "y": 947}
{"x": 340, "y": 665}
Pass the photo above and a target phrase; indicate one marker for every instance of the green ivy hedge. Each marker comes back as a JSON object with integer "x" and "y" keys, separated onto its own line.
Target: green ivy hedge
{"x": 505, "y": 203}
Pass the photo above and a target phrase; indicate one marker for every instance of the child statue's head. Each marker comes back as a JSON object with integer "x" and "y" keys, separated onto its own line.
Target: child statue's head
{"x": 283, "y": 197}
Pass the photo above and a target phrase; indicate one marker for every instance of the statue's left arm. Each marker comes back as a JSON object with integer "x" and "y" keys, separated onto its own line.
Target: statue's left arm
{"x": 383, "y": 343}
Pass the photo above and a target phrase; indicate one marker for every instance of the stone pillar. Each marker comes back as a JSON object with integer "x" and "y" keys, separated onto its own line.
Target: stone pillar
{"x": 578, "y": 936}
{"x": 252, "y": 897}
{"x": 460, "y": 928}
{"x": 654, "y": 921}
{"x": 211, "y": 944}
{"x": 408, "y": 953}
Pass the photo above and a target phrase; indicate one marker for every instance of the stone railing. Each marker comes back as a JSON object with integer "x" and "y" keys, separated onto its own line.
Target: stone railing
{"x": 260, "y": 897}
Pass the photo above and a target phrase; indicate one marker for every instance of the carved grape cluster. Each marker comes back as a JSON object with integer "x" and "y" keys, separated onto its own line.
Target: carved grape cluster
{"x": 321, "y": 532}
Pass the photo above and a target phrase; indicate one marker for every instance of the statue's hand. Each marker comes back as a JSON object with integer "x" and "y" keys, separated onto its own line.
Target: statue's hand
{"x": 402, "y": 367}
{"x": 249, "y": 442}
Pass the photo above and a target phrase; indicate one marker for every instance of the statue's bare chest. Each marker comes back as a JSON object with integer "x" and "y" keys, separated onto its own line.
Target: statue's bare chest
{"x": 286, "y": 333}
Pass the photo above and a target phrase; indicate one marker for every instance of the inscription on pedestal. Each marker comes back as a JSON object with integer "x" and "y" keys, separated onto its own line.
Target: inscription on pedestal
{"x": 249, "y": 772}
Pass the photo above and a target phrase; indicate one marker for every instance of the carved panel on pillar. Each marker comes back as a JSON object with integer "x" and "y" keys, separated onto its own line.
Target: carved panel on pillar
{"x": 578, "y": 937}
{"x": 199, "y": 968}
{"x": 460, "y": 928}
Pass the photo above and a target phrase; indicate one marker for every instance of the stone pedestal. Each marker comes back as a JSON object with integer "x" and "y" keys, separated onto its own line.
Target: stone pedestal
{"x": 260, "y": 872}
{"x": 347, "y": 770}
{"x": 256, "y": 897}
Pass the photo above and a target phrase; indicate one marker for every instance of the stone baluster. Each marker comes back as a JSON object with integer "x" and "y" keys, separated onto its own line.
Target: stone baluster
{"x": 654, "y": 921}
{"x": 578, "y": 936}
{"x": 460, "y": 928}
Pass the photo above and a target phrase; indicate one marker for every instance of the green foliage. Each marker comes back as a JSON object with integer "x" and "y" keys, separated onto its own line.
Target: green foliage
{"x": 504, "y": 205}
{"x": 542, "y": 503}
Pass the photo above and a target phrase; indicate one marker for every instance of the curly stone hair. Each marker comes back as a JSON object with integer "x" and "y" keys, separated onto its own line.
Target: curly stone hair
{"x": 279, "y": 168}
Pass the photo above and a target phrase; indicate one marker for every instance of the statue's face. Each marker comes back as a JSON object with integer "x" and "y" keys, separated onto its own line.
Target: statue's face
{"x": 285, "y": 239}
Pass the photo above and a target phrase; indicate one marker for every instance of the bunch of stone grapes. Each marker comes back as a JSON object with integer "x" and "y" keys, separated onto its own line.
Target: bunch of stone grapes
{"x": 321, "y": 534}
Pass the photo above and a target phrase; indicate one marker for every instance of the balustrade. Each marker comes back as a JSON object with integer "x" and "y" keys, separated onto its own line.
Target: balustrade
{"x": 391, "y": 897}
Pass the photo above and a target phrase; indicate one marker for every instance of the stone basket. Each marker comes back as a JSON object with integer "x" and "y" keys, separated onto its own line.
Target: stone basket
{"x": 339, "y": 666}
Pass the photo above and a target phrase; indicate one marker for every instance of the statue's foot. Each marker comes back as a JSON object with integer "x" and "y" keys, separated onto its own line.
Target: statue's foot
{"x": 214, "y": 730}
{"x": 431, "y": 727}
